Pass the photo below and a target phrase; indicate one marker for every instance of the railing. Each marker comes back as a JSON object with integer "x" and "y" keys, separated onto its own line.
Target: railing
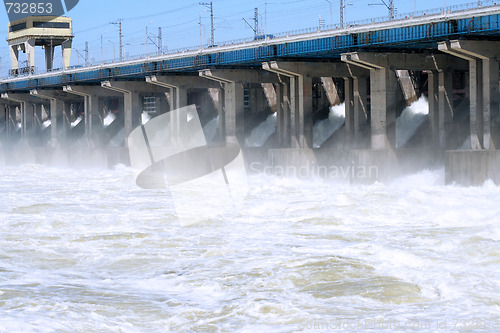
{"x": 424, "y": 13}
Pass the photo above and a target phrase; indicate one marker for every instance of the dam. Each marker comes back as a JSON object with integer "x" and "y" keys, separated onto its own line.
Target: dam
{"x": 291, "y": 82}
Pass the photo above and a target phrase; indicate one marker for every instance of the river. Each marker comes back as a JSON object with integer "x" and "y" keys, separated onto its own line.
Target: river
{"x": 89, "y": 251}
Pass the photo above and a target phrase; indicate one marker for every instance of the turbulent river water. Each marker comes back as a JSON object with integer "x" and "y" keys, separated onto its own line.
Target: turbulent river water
{"x": 89, "y": 251}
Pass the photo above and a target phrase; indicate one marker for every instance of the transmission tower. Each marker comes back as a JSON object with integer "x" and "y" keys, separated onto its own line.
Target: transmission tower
{"x": 119, "y": 24}
{"x": 211, "y": 7}
{"x": 256, "y": 21}
{"x": 342, "y": 7}
{"x": 86, "y": 52}
{"x": 160, "y": 41}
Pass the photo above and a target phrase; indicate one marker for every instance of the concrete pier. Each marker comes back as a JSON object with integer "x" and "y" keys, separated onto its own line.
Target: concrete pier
{"x": 483, "y": 86}
{"x": 93, "y": 110}
{"x": 60, "y": 114}
{"x": 232, "y": 124}
{"x": 27, "y": 108}
{"x": 472, "y": 167}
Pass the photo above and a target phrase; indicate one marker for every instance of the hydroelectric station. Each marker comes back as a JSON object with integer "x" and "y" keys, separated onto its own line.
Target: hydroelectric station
{"x": 276, "y": 97}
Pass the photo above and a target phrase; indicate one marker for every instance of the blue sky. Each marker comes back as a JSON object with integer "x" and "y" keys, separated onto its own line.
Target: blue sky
{"x": 180, "y": 20}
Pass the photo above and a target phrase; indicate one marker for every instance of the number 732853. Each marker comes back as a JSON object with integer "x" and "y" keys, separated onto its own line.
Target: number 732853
{"x": 29, "y": 8}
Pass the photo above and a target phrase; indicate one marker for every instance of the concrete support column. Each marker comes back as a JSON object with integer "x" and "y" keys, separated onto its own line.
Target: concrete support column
{"x": 11, "y": 119}
{"x": 305, "y": 116}
{"x": 331, "y": 90}
{"x": 483, "y": 86}
{"x": 232, "y": 83}
{"x": 181, "y": 97}
{"x": 14, "y": 56}
{"x": 93, "y": 106}
{"x": 360, "y": 90}
{"x": 271, "y": 96}
{"x": 445, "y": 118}
{"x": 476, "y": 110}
{"x": 384, "y": 98}
{"x": 217, "y": 99}
{"x": 491, "y": 103}
{"x": 356, "y": 108}
{"x": 233, "y": 111}
{"x": 27, "y": 112}
{"x": 293, "y": 98}
{"x": 349, "y": 101}
{"x": 28, "y": 122}
{"x": 176, "y": 89}
{"x": 66, "y": 51}
{"x": 28, "y": 46}
{"x": 301, "y": 101}
{"x": 121, "y": 106}
{"x": 132, "y": 110}
{"x": 132, "y": 104}
{"x": 288, "y": 132}
{"x": 440, "y": 87}
{"x": 3, "y": 118}
{"x": 281, "y": 118}
{"x": 59, "y": 124}
{"x": 93, "y": 121}
{"x": 407, "y": 87}
{"x": 30, "y": 52}
{"x": 433, "y": 99}
{"x": 283, "y": 112}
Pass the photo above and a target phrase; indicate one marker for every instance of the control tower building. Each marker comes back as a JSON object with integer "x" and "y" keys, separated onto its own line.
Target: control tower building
{"x": 45, "y": 31}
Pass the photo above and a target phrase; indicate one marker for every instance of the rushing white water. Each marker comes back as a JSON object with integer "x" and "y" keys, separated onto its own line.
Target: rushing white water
{"x": 91, "y": 252}
{"x": 145, "y": 117}
{"x": 325, "y": 128}
{"x": 110, "y": 117}
{"x": 77, "y": 121}
{"x": 262, "y": 132}
{"x": 410, "y": 121}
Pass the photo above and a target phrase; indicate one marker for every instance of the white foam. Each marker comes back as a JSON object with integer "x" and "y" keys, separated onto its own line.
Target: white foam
{"x": 262, "y": 132}
{"x": 325, "y": 128}
{"x": 110, "y": 117}
{"x": 410, "y": 121}
{"x": 89, "y": 251}
{"x": 77, "y": 121}
{"x": 145, "y": 117}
